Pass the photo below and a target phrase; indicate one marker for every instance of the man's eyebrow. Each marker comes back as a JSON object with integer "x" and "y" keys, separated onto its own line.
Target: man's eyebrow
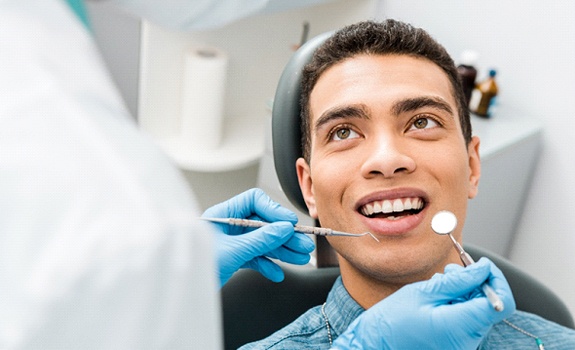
{"x": 341, "y": 112}
{"x": 412, "y": 104}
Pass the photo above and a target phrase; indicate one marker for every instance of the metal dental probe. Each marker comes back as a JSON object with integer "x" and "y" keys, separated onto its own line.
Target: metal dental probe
{"x": 319, "y": 231}
{"x": 443, "y": 223}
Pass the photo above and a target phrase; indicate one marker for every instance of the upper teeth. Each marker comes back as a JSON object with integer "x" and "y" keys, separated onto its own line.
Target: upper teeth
{"x": 389, "y": 206}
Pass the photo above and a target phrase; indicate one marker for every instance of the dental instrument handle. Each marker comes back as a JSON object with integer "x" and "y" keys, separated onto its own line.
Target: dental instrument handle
{"x": 319, "y": 231}
{"x": 493, "y": 298}
{"x": 323, "y": 231}
{"x": 467, "y": 260}
{"x": 237, "y": 222}
{"x": 487, "y": 290}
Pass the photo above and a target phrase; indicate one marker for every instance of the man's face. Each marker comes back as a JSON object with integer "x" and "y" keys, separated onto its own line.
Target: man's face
{"x": 387, "y": 153}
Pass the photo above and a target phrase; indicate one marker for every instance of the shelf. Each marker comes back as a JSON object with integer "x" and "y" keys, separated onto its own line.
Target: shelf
{"x": 242, "y": 146}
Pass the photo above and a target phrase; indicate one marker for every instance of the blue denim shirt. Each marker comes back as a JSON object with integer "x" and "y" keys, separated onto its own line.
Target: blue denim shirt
{"x": 309, "y": 331}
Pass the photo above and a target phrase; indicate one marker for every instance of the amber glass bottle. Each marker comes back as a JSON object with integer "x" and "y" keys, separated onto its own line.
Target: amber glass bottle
{"x": 483, "y": 97}
{"x": 467, "y": 72}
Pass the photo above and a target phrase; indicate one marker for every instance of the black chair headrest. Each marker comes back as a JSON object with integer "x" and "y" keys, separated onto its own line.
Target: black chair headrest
{"x": 286, "y": 131}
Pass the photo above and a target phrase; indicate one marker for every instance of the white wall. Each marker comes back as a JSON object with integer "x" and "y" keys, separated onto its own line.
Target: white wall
{"x": 118, "y": 37}
{"x": 532, "y": 44}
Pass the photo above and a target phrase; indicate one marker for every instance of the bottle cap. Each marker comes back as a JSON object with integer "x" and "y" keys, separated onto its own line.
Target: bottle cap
{"x": 492, "y": 72}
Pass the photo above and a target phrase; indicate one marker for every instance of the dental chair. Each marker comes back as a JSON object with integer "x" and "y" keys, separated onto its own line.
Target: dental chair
{"x": 254, "y": 307}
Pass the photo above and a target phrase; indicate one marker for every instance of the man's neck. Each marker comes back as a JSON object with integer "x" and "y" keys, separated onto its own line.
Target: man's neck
{"x": 368, "y": 290}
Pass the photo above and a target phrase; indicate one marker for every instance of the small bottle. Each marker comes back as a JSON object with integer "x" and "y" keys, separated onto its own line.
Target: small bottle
{"x": 467, "y": 72}
{"x": 483, "y": 97}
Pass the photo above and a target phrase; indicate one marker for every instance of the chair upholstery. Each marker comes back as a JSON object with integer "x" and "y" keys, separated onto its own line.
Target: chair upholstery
{"x": 286, "y": 132}
{"x": 530, "y": 294}
{"x": 254, "y": 307}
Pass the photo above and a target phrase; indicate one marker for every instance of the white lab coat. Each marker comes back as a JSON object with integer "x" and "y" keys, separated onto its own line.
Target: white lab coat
{"x": 99, "y": 248}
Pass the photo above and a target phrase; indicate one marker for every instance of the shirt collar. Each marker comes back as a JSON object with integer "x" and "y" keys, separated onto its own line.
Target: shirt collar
{"x": 340, "y": 308}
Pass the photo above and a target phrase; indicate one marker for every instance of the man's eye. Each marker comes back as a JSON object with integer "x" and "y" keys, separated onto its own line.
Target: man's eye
{"x": 423, "y": 123}
{"x": 343, "y": 133}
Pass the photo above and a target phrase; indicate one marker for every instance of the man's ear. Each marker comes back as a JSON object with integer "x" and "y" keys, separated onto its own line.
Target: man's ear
{"x": 474, "y": 166}
{"x": 305, "y": 185}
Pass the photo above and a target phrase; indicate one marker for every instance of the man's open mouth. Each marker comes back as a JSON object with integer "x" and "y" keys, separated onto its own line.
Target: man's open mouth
{"x": 393, "y": 209}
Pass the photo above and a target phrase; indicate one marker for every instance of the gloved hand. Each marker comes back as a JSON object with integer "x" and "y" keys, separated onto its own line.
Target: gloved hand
{"x": 449, "y": 311}
{"x": 239, "y": 247}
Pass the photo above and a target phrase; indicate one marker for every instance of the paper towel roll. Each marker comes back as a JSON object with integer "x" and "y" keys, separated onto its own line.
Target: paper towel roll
{"x": 203, "y": 93}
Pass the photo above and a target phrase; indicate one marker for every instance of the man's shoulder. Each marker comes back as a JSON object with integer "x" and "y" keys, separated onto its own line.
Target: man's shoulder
{"x": 521, "y": 330}
{"x": 307, "y": 331}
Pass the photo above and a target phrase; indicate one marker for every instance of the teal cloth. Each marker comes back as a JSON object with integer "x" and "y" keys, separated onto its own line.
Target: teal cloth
{"x": 79, "y": 9}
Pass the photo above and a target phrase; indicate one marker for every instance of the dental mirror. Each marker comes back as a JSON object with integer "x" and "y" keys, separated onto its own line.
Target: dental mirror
{"x": 444, "y": 222}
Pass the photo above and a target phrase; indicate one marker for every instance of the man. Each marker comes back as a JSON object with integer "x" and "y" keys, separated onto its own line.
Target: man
{"x": 387, "y": 144}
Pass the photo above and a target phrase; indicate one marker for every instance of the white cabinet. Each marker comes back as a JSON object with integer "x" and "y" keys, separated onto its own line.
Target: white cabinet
{"x": 509, "y": 149}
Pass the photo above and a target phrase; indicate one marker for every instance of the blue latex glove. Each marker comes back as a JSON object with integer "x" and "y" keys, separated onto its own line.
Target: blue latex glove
{"x": 244, "y": 247}
{"x": 449, "y": 311}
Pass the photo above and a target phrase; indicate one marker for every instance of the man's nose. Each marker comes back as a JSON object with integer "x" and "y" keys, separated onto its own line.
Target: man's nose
{"x": 387, "y": 156}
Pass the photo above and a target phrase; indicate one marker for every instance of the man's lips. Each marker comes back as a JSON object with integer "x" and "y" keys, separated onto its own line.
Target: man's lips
{"x": 393, "y": 212}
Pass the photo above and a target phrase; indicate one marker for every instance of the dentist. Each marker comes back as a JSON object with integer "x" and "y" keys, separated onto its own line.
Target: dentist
{"x": 100, "y": 246}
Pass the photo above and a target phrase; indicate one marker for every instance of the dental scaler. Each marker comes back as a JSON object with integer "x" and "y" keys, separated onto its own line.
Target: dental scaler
{"x": 318, "y": 231}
